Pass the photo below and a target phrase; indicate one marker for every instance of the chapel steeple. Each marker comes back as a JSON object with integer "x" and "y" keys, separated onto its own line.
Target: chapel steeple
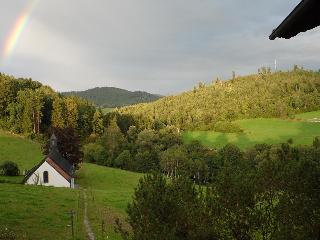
{"x": 53, "y": 142}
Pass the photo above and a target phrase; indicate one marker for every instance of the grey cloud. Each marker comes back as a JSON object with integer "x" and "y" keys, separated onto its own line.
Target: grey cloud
{"x": 162, "y": 46}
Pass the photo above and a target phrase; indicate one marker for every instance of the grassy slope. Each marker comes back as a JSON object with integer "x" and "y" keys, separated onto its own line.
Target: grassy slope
{"x": 35, "y": 212}
{"x": 109, "y": 191}
{"x": 308, "y": 115}
{"x": 19, "y": 150}
{"x": 113, "y": 187}
{"x": 263, "y": 131}
{"x": 7, "y": 179}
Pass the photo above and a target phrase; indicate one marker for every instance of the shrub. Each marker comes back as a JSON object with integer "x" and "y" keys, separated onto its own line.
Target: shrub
{"x": 94, "y": 153}
{"x": 9, "y": 169}
{"x": 316, "y": 142}
{"x": 124, "y": 160}
{"x": 7, "y": 234}
{"x": 227, "y": 127}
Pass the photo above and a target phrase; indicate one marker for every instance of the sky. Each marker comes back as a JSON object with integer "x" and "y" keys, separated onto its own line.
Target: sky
{"x": 159, "y": 46}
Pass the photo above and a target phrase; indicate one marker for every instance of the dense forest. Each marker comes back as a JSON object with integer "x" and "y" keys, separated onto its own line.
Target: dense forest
{"x": 147, "y": 137}
{"x": 110, "y": 97}
{"x": 267, "y": 192}
{"x": 265, "y": 94}
{"x": 27, "y": 107}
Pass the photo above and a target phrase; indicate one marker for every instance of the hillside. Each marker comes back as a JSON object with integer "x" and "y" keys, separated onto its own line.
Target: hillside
{"x": 20, "y": 150}
{"x": 109, "y": 191}
{"x": 302, "y": 129}
{"x": 110, "y": 97}
{"x": 37, "y": 213}
{"x": 263, "y": 95}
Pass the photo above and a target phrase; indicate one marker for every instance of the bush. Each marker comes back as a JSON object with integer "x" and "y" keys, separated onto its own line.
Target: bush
{"x": 227, "y": 127}
{"x": 7, "y": 234}
{"x": 9, "y": 169}
{"x": 316, "y": 142}
{"x": 94, "y": 153}
{"x": 124, "y": 160}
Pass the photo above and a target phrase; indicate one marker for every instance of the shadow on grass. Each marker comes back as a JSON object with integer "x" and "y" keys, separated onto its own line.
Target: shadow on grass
{"x": 11, "y": 179}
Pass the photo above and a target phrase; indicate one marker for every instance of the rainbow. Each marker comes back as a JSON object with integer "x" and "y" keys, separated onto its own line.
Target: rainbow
{"x": 19, "y": 26}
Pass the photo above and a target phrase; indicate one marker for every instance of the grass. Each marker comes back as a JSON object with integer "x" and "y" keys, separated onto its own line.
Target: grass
{"x": 35, "y": 212}
{"x": 113, "y": 187}
{"x": 22, "y": 207}
{"x": 308, "y": 116}
{"x": 109, "y": 191}
{"x": 22, "y": 151}
{"x": 262, "y": 130}
{"x": 14, "y": 179}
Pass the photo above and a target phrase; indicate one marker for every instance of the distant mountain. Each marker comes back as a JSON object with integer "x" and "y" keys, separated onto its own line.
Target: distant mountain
{"x": 110, "y": 97}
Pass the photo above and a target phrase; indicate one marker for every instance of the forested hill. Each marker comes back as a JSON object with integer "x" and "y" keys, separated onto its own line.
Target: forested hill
{"x": 114, "y": 97}
{"x": 265, "y": 94}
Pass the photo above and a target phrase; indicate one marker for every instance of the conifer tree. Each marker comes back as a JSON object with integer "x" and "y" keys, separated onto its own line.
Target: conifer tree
{"x": 58, "y": 113}
{"x": 97, "y": 122}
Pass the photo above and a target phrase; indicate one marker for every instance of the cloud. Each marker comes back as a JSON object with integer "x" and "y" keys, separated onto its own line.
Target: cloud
{"x": 163, "y": 46}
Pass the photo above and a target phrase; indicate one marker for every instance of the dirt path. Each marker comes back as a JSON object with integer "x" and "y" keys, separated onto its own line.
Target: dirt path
{"x": 86, "y": 222}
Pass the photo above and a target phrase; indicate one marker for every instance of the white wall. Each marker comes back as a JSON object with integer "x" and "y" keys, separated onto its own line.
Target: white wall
{"x": 55, "y": 179}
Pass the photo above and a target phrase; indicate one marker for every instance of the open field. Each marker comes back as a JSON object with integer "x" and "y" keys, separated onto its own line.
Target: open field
{"x": 262, "y": 130}
{"x": 14, "y": 179}
{"x": 35, "y": 212}
{"x": 20, "y": 150}
{"x": 109, "y": 191}
{"x": 112, "y": 187}
{"x": 309, "y": 116}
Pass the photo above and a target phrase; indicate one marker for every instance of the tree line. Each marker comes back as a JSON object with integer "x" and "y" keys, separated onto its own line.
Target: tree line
{"x": 266, "y": 192}
{"x": 146, "y": 150}
{"x": 27, "y": 107}
{"x": 214, "y": 106}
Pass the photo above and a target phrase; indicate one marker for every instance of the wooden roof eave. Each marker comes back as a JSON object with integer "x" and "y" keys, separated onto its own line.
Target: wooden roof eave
{"x": 304, "y": 17}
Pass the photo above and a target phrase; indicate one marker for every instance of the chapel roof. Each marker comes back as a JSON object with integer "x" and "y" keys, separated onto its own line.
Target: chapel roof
{"x": 56, "y": 157}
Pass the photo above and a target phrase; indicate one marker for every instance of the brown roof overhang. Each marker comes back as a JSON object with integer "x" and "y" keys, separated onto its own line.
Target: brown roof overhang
{"x": 59, "y": 169}
{"x": 304, "y": 17}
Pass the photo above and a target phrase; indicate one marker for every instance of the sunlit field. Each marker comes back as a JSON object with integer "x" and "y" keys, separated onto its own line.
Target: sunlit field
{"x": 301, "y": 130}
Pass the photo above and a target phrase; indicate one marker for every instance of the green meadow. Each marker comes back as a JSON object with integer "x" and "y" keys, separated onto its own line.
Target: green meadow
{"x": 111, "y": 187}
{"x": 20, "y": 150}
{"x": 109, "y": 191}
{"x": 14, "y": 179}
{"x": 301, "y": 130}
{"x": 35, "y": 212}
{"x": 308, "y": 116}
{"x": 38, "y": 213}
